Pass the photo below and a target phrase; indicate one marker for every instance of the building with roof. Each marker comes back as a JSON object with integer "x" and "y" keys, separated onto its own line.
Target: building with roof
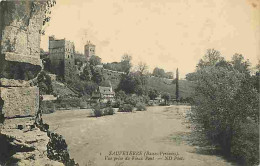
{"x": 104, "y": 94}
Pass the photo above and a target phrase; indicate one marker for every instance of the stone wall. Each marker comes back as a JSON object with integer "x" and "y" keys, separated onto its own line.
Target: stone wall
{"x": 20, "y": 22}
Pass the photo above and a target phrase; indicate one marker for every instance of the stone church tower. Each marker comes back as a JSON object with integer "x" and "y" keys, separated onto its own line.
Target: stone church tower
{"x": 90, "y": 49}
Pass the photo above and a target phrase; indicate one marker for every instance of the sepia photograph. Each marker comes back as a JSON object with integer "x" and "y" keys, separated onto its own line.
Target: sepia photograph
{"x": 129, "y": 82}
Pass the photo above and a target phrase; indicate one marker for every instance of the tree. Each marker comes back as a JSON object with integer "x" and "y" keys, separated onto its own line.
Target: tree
{"x": 120, "y": 95}
{"x": 166, "y": 97}
{"x": 240, "y": 64}
{"x": 95, "y": 60}
{"x": 157, "y": 72}
{"x": 142, "y": 70}
{"x": 211, "y": 58}
{"x": 97, "y": 75}
{"x": 153, "y": 93}
{"x": 177, "y": 85}
{"x": 87, "y": 74}
{"x": 130, "y": 84}
{"x": 126, "y": 63}
{"x": 169, "y": 75}
{"x": 226, "y": 108}
{"x": 44, "y": 83}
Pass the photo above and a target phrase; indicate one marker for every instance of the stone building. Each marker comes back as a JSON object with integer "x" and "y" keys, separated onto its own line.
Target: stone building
{"x": 90, "y": 49}
{"x": 62, "y": 58}
{"x": 104, "y": 94}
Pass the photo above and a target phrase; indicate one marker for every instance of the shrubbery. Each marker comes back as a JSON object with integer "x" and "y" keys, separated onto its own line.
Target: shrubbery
{"x": 57, "y": 149}
{"x": 47, "y": 107}
{"x": 67, "y": 103}
{"x": 83, "y": 105}
{"x": 117, "y": 104}
{"x": 108, "y": 111}
{"x": 140, "y": 107}
{"x": 226, "y": 108}
{"x": 126, "y": 108}
{"x": 99, "y": 111}
{"x": 44, "y": 83}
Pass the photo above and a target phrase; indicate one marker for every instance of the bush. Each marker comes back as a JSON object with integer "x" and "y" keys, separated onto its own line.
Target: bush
{"x": 134, "y": 99}
{"x": 117, "y": 104}
{"x": 108, "y": 111}
{"x": 83, "y": 105}
{"x": 131, "y": 100}
{"x": 44, "y": 83}
{"x": 140, "y": 107}
{"x": 47, "y": 107}
{"x": 97, "y": 111}
{"x": 57, "y": 149}
{"x": 126, "y": 108}
{"x": 163, "y": 104}
{"x": 109, "y": 103}
{"x": 65, "y": 102}
{"x": 244, "y": 147}
{"x": 226, "y": 111}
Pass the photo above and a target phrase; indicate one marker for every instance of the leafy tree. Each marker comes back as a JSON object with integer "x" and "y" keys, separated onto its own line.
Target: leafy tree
{"x": 225, "y": 102}
{"x": 211, "y": 58}
{"x": 153, "y": 93}
{"x": 87, "y": 74}
{"x": 129, "y": 83}
{"x": 44, "y": 83}
{"x": 166, "y": 97}
{"x": 142, "y": 68}
{"x": 256, "y": 77}
{"x": 126, "y": 63}
{"x": 169, "y": 75}
{"x": 95, "y": 60}
{"x": 240, "y": 64}
{"x": 97, "y": 75}
{"x": 157, "y": 72}
{"x": 90, "y": 87}
{"x": 120, "y": 95}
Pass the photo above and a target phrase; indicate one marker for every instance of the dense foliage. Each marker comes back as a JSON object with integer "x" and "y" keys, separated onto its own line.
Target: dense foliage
{"x": 226, "y": 106}
{"x": 126, "y": 108}
{"x": 44, "y": 83}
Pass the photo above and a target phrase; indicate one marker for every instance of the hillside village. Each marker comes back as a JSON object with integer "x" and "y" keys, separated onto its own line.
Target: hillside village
{"x": 84, "y": 76}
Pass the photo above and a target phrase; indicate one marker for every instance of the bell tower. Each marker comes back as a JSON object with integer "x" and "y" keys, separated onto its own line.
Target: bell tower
{"x": 89, "y": 50}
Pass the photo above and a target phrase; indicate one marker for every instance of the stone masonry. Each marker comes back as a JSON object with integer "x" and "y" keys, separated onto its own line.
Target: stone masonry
{"x": 89, "y": 50}
{"x": 62, "y": 56}
{"x": 20, "y": 23}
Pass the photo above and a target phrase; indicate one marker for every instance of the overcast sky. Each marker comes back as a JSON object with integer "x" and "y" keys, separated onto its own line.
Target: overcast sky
{"x": 163, "y": 33}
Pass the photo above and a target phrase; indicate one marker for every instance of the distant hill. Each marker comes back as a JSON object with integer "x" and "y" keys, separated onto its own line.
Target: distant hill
{"x": 166, "y": 86}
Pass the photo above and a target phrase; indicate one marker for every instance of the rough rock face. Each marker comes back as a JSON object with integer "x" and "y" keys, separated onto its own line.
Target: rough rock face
{"x": 20, "y": 23}
{"x": 21, "y": 142}
{"x": 26, "y": 101}
{"x": 24, "y": 143}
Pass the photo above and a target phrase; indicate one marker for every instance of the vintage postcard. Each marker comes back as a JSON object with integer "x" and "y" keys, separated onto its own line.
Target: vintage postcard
{"x": 129, "y": 82}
